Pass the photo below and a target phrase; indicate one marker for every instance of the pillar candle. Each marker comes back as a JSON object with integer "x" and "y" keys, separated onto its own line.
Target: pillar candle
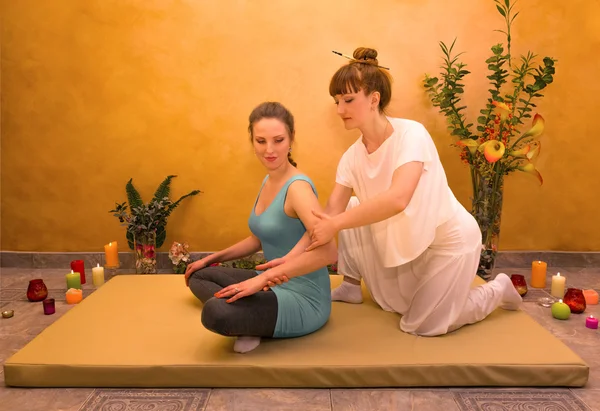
{"x": 98, "y": 275}
{"x": 558, "y": 286}
{"x": 591, "y": 322}
{"x": 538, "y": 274}
{"x": 111, "y": 254}
{"x": 73, "y": 296}
{"x": 73, "y": 280}
{"x": 78, "y": 267}
{"x": 591, "y": 297}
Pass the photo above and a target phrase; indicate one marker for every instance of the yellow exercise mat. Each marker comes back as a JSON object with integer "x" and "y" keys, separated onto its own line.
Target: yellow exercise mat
{"x": 145, "y": 331}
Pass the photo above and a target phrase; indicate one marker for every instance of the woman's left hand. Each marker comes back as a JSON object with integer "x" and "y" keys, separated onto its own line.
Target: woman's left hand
{"x": 243, "y": 289}
{"x": 322, "y": 232}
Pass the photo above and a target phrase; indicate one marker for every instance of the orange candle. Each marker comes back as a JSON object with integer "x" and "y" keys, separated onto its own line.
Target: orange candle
{"x": 538, "y": 274}
{"x": 591, "y": 297}
{"x": 111, "y": 254}
{"x": 74, "y": 296}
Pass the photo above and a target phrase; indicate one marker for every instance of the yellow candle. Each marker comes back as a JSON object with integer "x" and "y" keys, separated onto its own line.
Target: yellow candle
{"x": 111, "y": 254}
{"x": 98, "y": 275}
{"x": 558, "y": 286}
{"x": 74, "y": 296}
{"x": 538, "y": 274}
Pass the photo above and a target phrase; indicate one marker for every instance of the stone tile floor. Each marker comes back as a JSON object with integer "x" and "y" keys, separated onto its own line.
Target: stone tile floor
{"x": 29, "y": 321}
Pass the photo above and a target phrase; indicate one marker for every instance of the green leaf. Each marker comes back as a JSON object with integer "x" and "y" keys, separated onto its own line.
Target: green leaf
{"x": 176, "y": 203}
{"x": 130, "y": 240}
{"x": 161, "y": 235}
{"x": 481, "y": 120}
{"x": 481, "y": 129}
{"x": 133, "y": 196}
{"x": 164, "y": 189}
{"x": 501, "y": 10}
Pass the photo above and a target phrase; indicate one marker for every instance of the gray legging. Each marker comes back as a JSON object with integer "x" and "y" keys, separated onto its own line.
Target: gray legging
{"x": 254, "y": 316}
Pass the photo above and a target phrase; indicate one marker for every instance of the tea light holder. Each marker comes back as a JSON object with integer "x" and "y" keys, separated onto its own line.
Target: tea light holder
{"x": 8, "y": 313}
{"x": 546, "y": 301}
{"x": 49, "y": 306}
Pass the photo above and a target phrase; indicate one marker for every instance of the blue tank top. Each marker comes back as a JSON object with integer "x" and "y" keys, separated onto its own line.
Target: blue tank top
{"x": 304, "y": 302}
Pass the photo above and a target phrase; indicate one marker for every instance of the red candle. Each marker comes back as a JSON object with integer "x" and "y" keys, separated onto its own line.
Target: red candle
{"x": 78, "y": 267}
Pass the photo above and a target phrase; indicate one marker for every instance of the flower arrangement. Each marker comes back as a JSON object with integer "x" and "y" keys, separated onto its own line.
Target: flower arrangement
{"x": 146, "y": 223}
{"x": 180, "y": 256}
{"x": 497, "y": 147}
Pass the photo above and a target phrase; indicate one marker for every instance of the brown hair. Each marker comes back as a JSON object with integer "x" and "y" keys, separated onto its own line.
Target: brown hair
{"x": 276, "y": 110}
{"x": 363, "y": 73}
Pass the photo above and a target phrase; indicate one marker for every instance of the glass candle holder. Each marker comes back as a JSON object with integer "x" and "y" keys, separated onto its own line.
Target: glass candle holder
{"x": 49, "y": 307}
{"x": 37, "y": 290}
{"x": 575, "y": 299}
{"x": 520, "y": 284}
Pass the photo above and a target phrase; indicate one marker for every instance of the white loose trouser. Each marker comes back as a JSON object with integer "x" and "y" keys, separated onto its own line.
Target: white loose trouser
{"x": 433, "y": 292}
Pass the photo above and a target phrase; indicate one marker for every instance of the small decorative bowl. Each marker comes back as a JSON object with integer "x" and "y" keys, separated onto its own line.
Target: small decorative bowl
{"x": 8, "y": 313}
{"x": 546, "y": 301}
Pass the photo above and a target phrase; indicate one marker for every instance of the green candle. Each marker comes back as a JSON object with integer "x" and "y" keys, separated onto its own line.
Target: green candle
{"x": 560, "y": 310}
{"x": 73, "y": 280}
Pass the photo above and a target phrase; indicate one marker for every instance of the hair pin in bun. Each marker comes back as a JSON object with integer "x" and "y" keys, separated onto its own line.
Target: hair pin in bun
{"x": 353, "y": 59}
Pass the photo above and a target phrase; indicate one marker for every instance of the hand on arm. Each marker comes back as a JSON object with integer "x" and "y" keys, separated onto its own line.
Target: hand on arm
{"x": 337, "y": 203}
{"x": 381, "y": 207}
{"x": 303, "y": 201}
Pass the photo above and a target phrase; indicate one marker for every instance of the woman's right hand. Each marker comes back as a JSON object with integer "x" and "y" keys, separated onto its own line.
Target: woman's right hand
{"x": 193, "y": 267}
{"x": 273, "y": 263}
{"x": 275, "y": 281}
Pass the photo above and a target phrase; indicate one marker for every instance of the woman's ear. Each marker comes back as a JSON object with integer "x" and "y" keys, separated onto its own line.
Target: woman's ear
{"x": 375, "y": 97}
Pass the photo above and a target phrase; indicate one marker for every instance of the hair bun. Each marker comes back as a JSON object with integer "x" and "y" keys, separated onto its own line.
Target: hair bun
{"x": 366, "y": 54}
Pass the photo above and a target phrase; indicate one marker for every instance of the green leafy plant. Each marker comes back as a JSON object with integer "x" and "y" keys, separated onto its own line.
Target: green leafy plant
{"x": 495, "y": 147}
{"x": 143, "y": 218}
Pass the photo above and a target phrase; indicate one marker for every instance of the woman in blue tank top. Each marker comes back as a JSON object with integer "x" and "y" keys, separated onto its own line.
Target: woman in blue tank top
{"x": 243, "y": 303}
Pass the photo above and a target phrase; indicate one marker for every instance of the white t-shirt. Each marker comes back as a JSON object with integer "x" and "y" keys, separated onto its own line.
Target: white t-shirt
{"x": 403, "y": 237}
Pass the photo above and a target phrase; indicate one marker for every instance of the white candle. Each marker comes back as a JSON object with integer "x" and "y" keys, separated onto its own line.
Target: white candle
{"x": 558, "y": 286}
{"x": 98, "y": 275}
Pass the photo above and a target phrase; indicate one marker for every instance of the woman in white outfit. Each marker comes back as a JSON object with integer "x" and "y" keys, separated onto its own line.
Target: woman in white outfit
{"x": 404, "y": 233}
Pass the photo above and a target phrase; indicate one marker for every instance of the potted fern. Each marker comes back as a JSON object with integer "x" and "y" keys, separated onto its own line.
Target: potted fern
{"x": 146, "y": 223}
{"x": 496, "y": 147}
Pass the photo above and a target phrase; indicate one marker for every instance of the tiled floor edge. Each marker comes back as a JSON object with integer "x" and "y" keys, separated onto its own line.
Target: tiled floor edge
{"x": 506, "y": 259}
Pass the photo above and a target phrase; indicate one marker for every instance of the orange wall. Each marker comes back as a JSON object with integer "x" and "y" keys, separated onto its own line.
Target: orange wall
{"x": 97, "y": 92}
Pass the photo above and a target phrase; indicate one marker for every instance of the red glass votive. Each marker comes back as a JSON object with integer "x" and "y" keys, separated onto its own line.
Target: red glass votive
{"x": 78, "y": 267}
{"x": 575, "y": 299}
{"x": 37, "y": 290}
{"x": 520, "y": 284}
{"x": 49, "y": 307}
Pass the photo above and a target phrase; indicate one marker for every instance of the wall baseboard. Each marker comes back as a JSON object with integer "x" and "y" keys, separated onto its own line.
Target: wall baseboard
{"x": 506, "y": 259}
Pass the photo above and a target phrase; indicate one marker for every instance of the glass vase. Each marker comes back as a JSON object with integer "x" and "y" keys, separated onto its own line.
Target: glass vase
{"x": 488, "y": 193}
{"x": 519, "y": 283}
{"x": 37, "y": 290}
{"x": 575, "y": 299}
{"x": 145, "y": 252}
